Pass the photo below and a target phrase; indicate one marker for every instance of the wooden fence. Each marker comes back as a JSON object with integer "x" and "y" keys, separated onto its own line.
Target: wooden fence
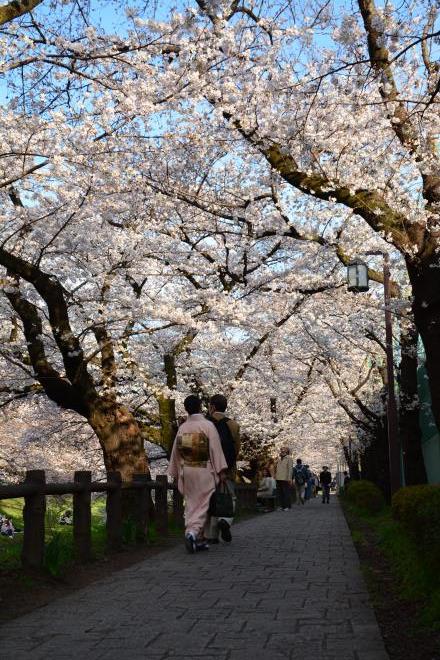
{"x": 35, "y": 489}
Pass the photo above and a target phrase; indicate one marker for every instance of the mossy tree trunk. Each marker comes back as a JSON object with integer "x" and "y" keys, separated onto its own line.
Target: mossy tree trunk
{"x": 374, "y": 459}
{"x": 425, "y": 280}
{"x": 120, "y": 438}
{"x": 409, "y": 424}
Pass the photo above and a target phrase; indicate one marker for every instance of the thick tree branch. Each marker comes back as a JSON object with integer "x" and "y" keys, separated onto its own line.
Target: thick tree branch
{"x": 58, "y": 389}
{"x": 380, "y": 61}
{"x": 401, "y": 120}
{"x": 55, "y": 297}
{"x": 8, "y": 182}
{"x": 370, "y": 205}
{"x": 16, "y": 9}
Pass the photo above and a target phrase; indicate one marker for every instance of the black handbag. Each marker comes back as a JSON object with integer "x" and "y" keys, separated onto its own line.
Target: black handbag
{"x": 221, "y": 504}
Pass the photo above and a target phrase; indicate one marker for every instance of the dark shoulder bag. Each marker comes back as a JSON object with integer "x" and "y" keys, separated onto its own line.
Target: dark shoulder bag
{"x": 221, "y": 504}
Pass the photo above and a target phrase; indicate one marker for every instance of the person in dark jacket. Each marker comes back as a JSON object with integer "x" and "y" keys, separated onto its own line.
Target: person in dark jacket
{"x": 325, "y": 479}
{"x": 347, "y": 480}
{"x": 229, "y": 432}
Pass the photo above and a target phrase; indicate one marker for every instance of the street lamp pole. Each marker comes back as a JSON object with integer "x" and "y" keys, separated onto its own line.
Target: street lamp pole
{"x": 357, "y": 278}
{"x": 392, "y": 419}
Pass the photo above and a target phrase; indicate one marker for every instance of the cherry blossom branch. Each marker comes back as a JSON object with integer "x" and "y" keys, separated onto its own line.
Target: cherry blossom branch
{"x": 8, "y": 182}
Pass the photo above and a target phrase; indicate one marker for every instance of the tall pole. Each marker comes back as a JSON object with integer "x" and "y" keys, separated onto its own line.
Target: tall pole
{"x": 392, "y": 419}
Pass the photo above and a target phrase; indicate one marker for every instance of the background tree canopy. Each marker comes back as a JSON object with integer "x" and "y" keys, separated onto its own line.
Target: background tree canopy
{"x": 181, "y": 189}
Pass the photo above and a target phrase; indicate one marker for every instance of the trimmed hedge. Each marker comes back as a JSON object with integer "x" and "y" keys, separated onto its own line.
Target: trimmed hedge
{"x": 417, "y": 508}
{"x": 365, "y": 495}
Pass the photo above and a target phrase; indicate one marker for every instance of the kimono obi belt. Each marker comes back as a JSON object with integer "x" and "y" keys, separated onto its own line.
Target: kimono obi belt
{"x": 194, "y": 449}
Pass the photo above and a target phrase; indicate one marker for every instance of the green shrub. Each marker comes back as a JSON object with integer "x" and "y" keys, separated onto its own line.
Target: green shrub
{"x": 417, "y": 508}
{"x": 418, "y": 577}
{"x": 10, "y": 552}
{"x": 365, "y": 495}
{"x": 58, "y": 553}
{"x": 129, "y": 531}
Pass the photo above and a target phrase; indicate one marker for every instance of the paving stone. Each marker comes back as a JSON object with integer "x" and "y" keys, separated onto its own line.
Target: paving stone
{"x": 276, "y": 592}
{"x": 259, "y": 654}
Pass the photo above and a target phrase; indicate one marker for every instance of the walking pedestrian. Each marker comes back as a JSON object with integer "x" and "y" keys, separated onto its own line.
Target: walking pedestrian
{"x": 315, "y": 483}
{"x": 283, "y": 476}
{"x": 309, "y": 484}
{"x": 229, "y": 432}
{"x": 300, "y": 478}
{"x": 347, "y": 480}
{"x": 197, "y": 463}
{"x": 325, "y": 478}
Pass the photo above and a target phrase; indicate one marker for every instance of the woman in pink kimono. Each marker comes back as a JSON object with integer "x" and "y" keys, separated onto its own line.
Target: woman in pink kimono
{"x": 197, "y": 462}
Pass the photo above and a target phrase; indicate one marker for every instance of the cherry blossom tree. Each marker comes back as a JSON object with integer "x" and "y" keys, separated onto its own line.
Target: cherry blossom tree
{"x": 342, "y": 109}
{"x": 178, "y": 198}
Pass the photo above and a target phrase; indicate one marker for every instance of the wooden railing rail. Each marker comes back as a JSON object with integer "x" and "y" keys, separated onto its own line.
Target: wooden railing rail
{"x": 246, "y": 495}
{"x": 35, "y": 489}
{"x": 68, "y": 488}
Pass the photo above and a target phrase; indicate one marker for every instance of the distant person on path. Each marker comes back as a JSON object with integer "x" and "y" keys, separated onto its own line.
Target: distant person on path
{"x": 347, "y": 480}
{"x": 315, "y": 482}
{"x": 309, "y": 484}
{"x": 283, "y": 476}
{"x": 229, "y": 432}
{"x": 197, "y": 463}
{"x": 300, "y": 479}
{"x": 325, "y": 478}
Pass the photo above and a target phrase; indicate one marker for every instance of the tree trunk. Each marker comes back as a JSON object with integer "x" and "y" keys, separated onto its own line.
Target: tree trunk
{"x": 409, "y": 425}
{"x": 375, "y": 461}
{"x": 425, "y": 280}
{"x": 168, "y": 423}
{"x": 352, "y": 460}
{"x": 120, "y": 438}
{"x": 167, "y": 405}
{"x": 354, "y": 466}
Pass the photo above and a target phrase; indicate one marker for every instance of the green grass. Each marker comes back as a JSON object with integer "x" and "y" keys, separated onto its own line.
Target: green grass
{"x": 58, "y": 538}
{"x": 10, "y": 549}
{"x": 417, "y": 579}
{"x": 59, "y": 552}
{"x": 13, "y": 509}
{"x": 358, "y": 536}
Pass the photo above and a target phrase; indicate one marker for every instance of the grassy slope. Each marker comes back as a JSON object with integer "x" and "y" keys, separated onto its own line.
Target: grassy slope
{"x": 417, "y": 580}
{"x": 59, "y": 542}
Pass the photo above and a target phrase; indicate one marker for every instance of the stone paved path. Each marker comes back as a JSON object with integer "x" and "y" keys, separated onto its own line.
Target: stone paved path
{"x": 289, "y": 586}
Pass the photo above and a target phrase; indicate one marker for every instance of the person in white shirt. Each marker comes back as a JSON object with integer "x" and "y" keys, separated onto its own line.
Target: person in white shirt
{"x": 266, "y": 487}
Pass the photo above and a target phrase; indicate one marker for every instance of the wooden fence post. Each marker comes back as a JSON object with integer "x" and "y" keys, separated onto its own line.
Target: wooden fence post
{"x": 82, "y": 517}
{"x": 114, "y": 512}
{"x": 161, "y": 500}
{"x": 177, "y": 506}
{"x": 141, "y": 508}
{"x": 34, "y": 511}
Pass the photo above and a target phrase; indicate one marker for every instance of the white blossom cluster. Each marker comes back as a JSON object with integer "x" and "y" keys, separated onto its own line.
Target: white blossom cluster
{"x": 136, "y": 170}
